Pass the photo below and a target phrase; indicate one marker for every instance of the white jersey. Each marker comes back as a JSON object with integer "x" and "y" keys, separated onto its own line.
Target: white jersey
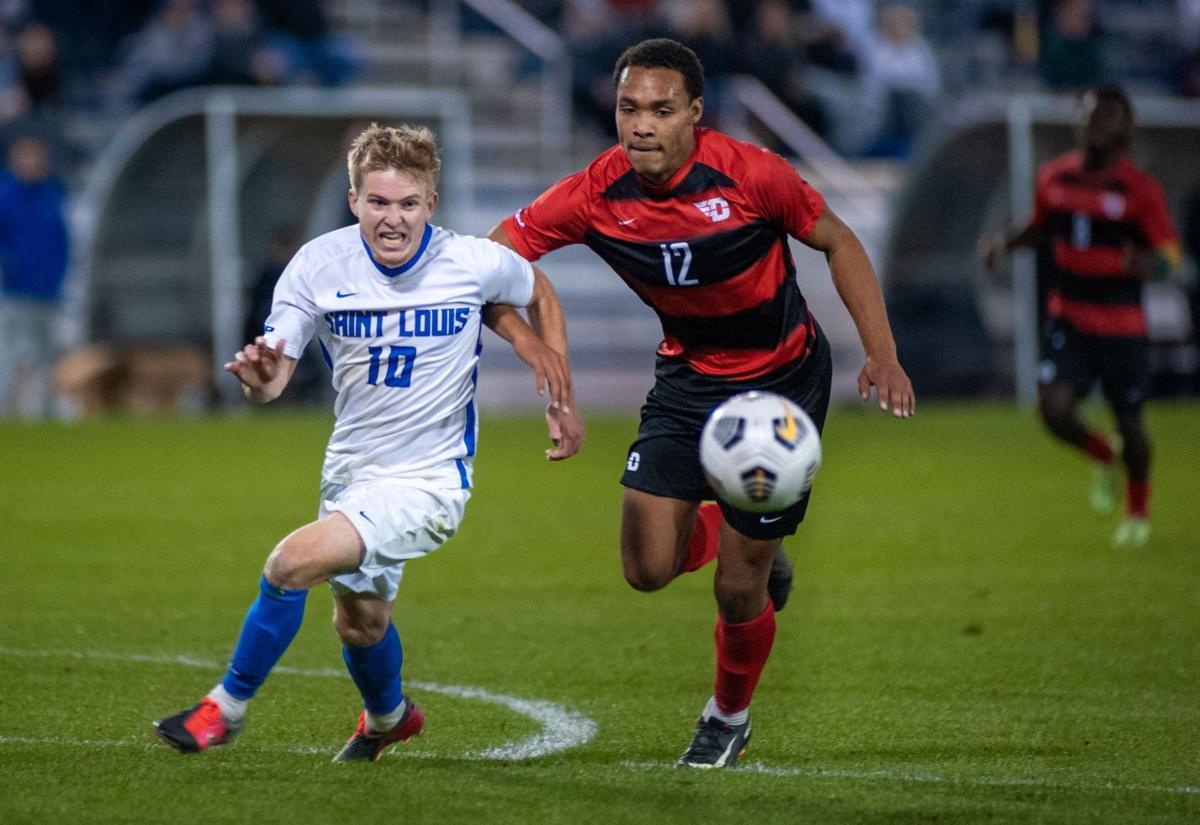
{"x": 403, "y": 344}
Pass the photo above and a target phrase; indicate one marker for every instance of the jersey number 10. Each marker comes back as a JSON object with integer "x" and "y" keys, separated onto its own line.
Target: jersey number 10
{"x": 398, "y": 375}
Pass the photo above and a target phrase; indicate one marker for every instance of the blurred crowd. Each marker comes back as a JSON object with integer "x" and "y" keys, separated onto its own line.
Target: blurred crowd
{"x": 864, "y": 74}
{"x": 861, "y": 79}
{"x": 70, "y": 71}
{"x": 104, "y": 58}
{"x": 868, "y": 74}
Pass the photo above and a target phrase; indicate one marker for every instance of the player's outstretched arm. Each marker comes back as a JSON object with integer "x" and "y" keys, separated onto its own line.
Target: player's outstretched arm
{"x": 542, "y": 344}
{"x": 264, "y": 371}
{"x": 854, "y": 278}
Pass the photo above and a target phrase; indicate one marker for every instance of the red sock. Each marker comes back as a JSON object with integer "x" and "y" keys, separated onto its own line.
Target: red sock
{"x": 1098, "y": 448}
{"x": 1137, "y": 499}
{"x": 702, "y": 546}
{"x": 742, "y": 651}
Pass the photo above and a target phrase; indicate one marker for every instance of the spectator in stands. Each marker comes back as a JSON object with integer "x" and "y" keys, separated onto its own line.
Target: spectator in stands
{"x": 641, "y": 13}
{"x": 1071, "y": 55}
{"x": 89, "y": 32}
{"x": 596, "y": 36}
{"x": 172, "y": 52}
{"x": 772, "y": 51}
{"x": 38, "y": 64}
{"x": 240, "y": 55}
{"x": 33, "y": 266}
{"x": 704, "y": 25}
{"x": 30, "y": 78}
{"x": 837, "y": 38}
{"x": 842, "y": 32}
{"x": 12, "y": 98}
{"x": 299, "y": 30}
{"x": 904, "y": 73}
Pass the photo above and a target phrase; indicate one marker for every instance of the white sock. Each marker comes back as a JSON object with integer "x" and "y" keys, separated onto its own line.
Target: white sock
{"x": 387, "y": 721}
{"x": 232, "y": 708}
{"x": 711, "y": 710}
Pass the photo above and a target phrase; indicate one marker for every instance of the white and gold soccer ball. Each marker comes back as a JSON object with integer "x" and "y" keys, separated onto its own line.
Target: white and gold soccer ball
{"x": 760, "y": 451}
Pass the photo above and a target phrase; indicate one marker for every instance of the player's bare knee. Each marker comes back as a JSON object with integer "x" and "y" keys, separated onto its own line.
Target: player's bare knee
{"x": 738, "y": 606}
{"x": 359, "y": 631}
{"x": 646, "y": 578}
{"x": 284, "y": 568}
{"x": 358, "y": 636}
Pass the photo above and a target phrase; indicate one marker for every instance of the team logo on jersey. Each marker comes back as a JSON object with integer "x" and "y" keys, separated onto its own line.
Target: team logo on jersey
{"x": 1112, "y": 204}
{"x": 716, "y": 209}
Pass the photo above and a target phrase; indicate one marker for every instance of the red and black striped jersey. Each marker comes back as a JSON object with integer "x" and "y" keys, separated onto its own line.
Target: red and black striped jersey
{"x": 707, "y": 250}
{"x": 1094, "y": 218}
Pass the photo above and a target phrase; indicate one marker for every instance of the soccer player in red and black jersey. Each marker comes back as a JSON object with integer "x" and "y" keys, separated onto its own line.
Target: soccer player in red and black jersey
{"x": 1108, "y": 229}
{"x": 697, "y": 224}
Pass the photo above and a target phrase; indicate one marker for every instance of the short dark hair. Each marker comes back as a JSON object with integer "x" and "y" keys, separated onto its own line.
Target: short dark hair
{"x": 664, "y": 53}
{"x": 1111, "y": 93}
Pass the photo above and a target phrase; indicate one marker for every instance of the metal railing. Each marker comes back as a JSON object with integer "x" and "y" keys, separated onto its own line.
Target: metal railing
{"x": 749, "y": 97}
{"x": 554, "y": 126}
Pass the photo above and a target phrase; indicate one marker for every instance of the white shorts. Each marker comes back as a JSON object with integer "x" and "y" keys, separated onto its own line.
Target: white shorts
{"x": 398, "y": 519}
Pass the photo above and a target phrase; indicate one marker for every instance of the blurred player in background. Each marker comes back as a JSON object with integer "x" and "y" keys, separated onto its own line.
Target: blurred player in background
{"x": 396, "y": 304}
{"x": 697, "y": 224}
{"x": 1108, "y": 230}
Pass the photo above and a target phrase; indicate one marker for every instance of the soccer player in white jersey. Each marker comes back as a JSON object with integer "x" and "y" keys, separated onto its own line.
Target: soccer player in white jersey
{"x": 396, "y": 304}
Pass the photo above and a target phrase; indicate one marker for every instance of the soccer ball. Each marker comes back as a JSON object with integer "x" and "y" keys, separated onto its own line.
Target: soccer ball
{"x": 760, "y": 452}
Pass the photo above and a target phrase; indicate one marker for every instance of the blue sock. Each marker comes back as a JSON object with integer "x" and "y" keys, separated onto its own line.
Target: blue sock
{"x": 271, "y": 624}
{"x": 376, "y": 670}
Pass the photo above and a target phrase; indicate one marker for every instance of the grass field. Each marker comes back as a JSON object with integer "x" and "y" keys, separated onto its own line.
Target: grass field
{"x": 963, "y": 645}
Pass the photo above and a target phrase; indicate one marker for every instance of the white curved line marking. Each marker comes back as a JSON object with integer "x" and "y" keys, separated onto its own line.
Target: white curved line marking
{"x": 560, "y": 728}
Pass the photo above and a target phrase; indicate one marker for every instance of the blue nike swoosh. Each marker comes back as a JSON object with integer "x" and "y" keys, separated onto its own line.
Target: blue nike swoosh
{"x": 364, "y": 515}
{"x": 341, "y": 294}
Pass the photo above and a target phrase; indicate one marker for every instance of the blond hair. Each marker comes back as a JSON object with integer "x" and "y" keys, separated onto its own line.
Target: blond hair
{"x": 409, "y": 149}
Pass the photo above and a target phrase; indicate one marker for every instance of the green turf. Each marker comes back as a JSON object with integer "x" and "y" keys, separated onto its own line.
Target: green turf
{"x": 963, "y": 645}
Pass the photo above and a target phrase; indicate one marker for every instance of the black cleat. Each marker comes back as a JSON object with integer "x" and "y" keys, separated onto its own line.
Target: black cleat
{"x": 716, "y": 744}
{"x": 197, "y": 729}
{"x": 365, "y": 746}
{"x": 779, "y": 583}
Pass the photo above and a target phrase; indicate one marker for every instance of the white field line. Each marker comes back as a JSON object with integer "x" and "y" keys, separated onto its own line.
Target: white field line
{"x": 560, "y": 728}
{"x": 933, "y": 779}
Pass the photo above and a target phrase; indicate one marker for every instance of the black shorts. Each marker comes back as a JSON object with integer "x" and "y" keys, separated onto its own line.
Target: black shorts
{"x": 1120, "y": 364}
{"x": 665, "y": 458}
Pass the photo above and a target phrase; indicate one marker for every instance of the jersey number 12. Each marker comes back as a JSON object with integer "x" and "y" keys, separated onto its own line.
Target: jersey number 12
{"x": 670, "y": 252}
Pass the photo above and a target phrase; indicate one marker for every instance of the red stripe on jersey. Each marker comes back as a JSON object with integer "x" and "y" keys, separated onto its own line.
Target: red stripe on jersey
{"x": 1113, "y": 320}
{"x": 1091, "y": 262}
{"x": 1084, "y": 197}
{"x": 752, "y": 287}
{"x": 742, "y": 364}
